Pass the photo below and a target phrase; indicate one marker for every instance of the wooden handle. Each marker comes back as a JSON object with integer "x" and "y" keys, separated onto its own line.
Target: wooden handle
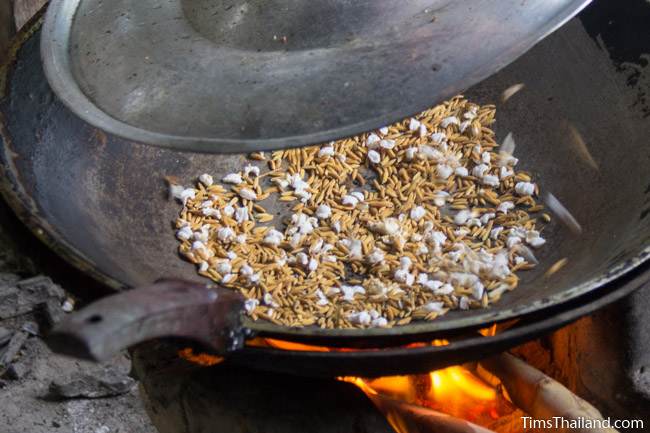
{"x": 168, "y": 308}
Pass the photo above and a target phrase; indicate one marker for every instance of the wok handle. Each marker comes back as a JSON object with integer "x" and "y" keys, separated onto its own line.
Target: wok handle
{"x": 168, "y": 308}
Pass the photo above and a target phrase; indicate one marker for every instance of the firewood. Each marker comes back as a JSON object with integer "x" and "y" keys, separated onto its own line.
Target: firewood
{"x": 540, "y": 396}
{"x": 409, "y": 418}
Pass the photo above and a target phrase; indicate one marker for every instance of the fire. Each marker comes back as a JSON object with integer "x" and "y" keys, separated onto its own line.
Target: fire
{"x": 203, "y": 359}
{"x": 492, "y": 330}
{"x": 457, "y": 391}
{"x": 301, "y": 347}
{"x": 286, "y": 345}
{"x": 459, "y": 380}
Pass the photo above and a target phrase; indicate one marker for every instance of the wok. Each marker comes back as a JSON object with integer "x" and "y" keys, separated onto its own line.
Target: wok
{"x": 101, "y": 201}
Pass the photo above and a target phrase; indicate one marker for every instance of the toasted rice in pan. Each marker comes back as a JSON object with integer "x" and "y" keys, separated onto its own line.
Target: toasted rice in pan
{"x": 407, "y": 222}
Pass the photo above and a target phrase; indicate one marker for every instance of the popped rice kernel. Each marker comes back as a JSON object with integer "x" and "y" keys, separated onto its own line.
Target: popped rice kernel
{"x": 406, "y": 223}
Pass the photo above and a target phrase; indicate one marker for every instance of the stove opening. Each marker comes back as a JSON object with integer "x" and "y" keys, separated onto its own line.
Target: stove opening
{"x": 489, "y": 395}
{"x": 464, "y": 393}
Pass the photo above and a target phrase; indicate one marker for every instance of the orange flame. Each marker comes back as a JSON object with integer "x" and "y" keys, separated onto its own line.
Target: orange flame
{"x": 286, "y": 345}
{"x": 457, "y": 391}
{"x": 301, "y": 347}
{"x": 199, "y": 358}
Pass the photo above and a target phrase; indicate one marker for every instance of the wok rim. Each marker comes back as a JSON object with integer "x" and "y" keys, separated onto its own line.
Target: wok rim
{"x": 56, "y": 31}
{"x": 467, "y": 348}
{"x": 27, "y": 211}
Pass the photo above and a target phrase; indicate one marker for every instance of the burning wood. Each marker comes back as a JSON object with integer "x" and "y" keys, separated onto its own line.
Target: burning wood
{"x": 417, "y": 402}
{"x": 409, "y": 418}
{"x": 464, "y": 398}
{"x": 446, "y": 391}
{"x": 414, "y": 403}
{"x": 540, "y": 396}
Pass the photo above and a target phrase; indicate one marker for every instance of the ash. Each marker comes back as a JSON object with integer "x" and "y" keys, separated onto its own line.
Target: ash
{"x": 41, "y": 392}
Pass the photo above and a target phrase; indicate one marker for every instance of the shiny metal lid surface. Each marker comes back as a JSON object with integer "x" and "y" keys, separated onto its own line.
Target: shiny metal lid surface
{"x": 248, "y": 75}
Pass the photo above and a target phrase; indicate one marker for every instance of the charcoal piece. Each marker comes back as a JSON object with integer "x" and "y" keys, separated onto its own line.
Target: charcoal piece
{"x": 42, "y": 285}
{"x": 27, "y": 295}
{"x": 16, "y": 371}
{"x": 5, "y": 336}
{"x": 8, "y": 302}
{"x": 9, "y": 352}
{"x": 49, "y": 314}
{"x": 108, "y": 383}
{"x": 31, "y": 328}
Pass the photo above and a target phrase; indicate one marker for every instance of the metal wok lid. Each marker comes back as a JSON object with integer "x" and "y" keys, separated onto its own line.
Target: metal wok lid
{"x": 247, "y": 75}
